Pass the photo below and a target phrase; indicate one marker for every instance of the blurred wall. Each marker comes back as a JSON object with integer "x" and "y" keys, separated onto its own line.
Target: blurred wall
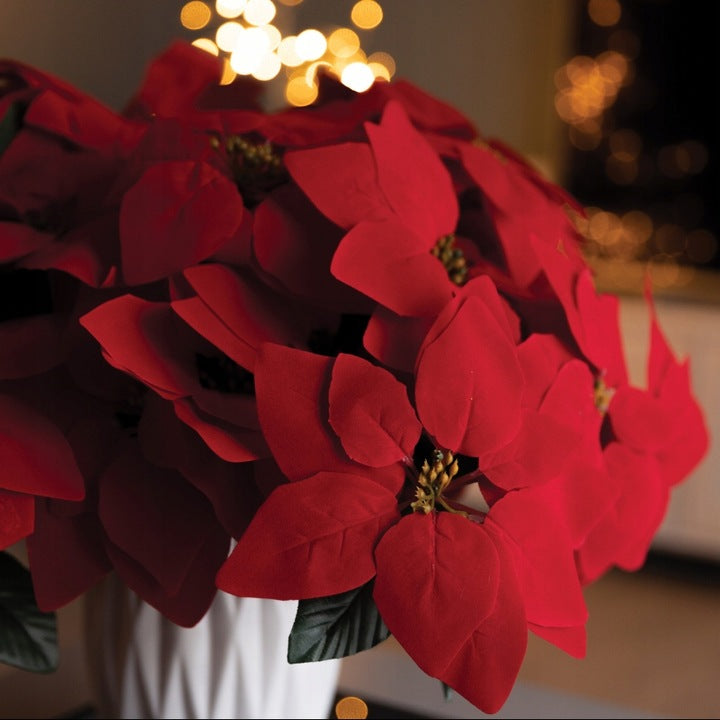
{"x": 493, "y": 59}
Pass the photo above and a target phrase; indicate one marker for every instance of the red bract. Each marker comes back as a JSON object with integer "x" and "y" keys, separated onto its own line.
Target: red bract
{"x": 358, "y": 420}
{"x": 394, "y": 218}
{"x": 361, "y": 341}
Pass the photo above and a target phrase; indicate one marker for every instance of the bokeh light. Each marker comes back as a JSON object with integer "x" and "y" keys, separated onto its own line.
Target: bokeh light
{"x": 358, "y": 76}
{"x": 195, "y": 15}
{"x": 230, "y": 9}
{"x": 249, "y": 44}
{"x": 604, "y": 12}
{"x": 207, "y": 45}
{"x": 259, "y": 12}
{"x": 366, "y": 14}
{"x": 310, "y": 45}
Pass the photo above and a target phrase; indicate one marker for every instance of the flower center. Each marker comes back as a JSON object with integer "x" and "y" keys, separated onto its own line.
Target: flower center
{"x": 433, "y": 481}
{"x": 603, "y": 395}
{"x": 452, "y": 258}
{"x": 256, "y": 167}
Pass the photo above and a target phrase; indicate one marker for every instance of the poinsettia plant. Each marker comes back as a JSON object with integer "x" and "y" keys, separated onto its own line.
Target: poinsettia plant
{"x": 357, "y": 343}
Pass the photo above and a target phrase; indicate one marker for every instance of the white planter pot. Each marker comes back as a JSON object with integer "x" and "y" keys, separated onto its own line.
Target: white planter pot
{"x": 233, "y": 663}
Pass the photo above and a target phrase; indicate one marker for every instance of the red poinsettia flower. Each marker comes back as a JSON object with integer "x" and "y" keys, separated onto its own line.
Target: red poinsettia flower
{"x": 339, "y": 524}
{"x": 209, "y": 390}
{"x": 395, "y": 217}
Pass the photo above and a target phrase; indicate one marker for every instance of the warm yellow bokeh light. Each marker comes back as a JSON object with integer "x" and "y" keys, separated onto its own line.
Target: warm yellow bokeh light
{"x": 228, "y": 74}
{"x": 249, "y": 51}
{"x": 268, "y": 68}
{"x": 260, "y": 12}
{"x": 604, "y": 12}
{"x": 343, "y": 42}
{"x": 195, "y": 15}
{"x": 290, "y": 3}
{"x": 230, "y": 9}
{"x": 351, "y": 708}
{"x": 385, "y": 59}
{"x": 299, "y": 93}
{"x": 274, "y": 35}
{"x": 310, "y": 45}
{"x": 366, "y": 14}
{"x": 228, "y": 35}
{"x": 207, "y": 45}
{"x": 357, "y": 76}
{"x": 379, "y": 71}
{"x": 287, "y": 52}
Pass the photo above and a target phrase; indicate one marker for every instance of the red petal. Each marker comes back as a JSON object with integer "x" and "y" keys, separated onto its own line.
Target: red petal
{"x": 196, "y": 313}
{"x": 485, "y": 668}
{"x": 250, "y": 310}
{"x": 294, "y": 244}
{"x": 544, "y": 560}
{"x": 149, "y": 341}
{"x": 341, "y": 182}
{"x": 35, "y": 456}
{"x": 231, "y": 442}
{"x": 371, "y": 413}
{"x": 395, "y": 340}
{"x": 421, "y": 194}
{"x": 154, "y": 516}
{"x": 391, "y": 264}
{"x": 469, "y": 383}
{"x": 56, "y": 580}
{"x": 168, "y": 442}
{"x": 177, "y": 214}
{"x": 292, "y": 392}
{"x": 431, "y": 599}
{"x": 18, "y": 240}
{"x": 311, "y": 539}
{"x": 17, "y": 517}
{"x": 640, "y": 420}
{"x": 189, "y": 604}
{"x": 31, "y": 345}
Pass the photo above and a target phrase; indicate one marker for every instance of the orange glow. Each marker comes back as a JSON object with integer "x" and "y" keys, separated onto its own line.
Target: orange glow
{"x": 207, "y": 45}
{"x": 385, "y": 59}
{"x": 195, "y": 15}
{"x": 299, "y": 93}
{"x": 366, "y": 14}
{"x": 626, "y": 141}
{"x": 664, "y": 270}
{"x": 228, "y": 74}
{"x": 379, "y": 71}
{"x": 343, "y": 42}
{"x": 604, "y": 12}
{"x": 639, "y": 225}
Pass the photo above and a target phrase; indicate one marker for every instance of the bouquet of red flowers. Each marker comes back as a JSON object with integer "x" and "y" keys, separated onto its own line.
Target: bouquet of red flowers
{"x": 357, "y": 338}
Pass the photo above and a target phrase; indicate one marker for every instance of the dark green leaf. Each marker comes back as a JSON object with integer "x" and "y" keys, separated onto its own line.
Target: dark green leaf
{"x": 10, "y": 124}
{"x": 336, "y": 626}
{"x": 28, "y": 637}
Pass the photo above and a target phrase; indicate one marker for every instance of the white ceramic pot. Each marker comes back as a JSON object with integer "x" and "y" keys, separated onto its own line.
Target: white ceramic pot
{"x": 232, "y": 664}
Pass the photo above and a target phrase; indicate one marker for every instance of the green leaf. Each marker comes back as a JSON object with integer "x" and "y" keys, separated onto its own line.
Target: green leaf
{"x": 10, "y": 124}
{"x": 28, "y": 637}
{"x": 336, "y": 626}
{"x": 448, "y": 692}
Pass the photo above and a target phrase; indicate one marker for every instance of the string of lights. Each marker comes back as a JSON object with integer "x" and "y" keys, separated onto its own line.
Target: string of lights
{"x": 243, "y": 33}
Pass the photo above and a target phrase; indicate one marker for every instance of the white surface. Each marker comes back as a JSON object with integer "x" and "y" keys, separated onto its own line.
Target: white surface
{"x": 232, "y": 664}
